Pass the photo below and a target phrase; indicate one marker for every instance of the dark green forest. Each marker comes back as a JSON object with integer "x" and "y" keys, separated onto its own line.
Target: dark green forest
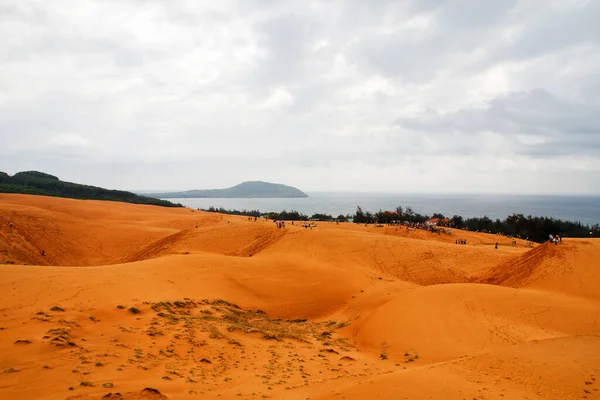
{"x": 534, "y": 228}
{"x": 39, "y": 183}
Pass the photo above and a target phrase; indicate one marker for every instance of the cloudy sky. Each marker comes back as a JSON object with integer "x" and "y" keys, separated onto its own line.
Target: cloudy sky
{"x": 386, "y": 96}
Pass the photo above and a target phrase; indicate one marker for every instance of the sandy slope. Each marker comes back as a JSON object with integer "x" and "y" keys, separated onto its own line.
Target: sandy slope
{"x": 444, "y": 322}
{"x": 339, "y": 310}
{"x": 571, "y": 268}
{"x": 563, "y": 368}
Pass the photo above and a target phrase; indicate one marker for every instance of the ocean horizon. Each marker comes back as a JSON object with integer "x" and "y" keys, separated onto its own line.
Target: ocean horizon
{"x": 584, "y": 208}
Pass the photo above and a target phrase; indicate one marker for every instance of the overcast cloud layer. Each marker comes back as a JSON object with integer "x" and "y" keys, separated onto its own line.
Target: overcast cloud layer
{"x": 421, "y": 96}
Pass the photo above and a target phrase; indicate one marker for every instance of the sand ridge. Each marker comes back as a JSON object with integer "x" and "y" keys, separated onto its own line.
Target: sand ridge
{"x": 130, "y": 297}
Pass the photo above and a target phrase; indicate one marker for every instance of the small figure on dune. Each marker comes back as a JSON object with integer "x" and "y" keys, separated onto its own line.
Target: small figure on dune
{"x": 43, "y": 253}
{"x": 10, "y": 224}
{"x": 496, "y": 246}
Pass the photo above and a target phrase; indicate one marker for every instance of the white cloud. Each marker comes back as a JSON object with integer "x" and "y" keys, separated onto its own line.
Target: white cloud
{"x": 427, "y": 95}
{"x": 69, "y": 140}
{"x": 279, "y": 98}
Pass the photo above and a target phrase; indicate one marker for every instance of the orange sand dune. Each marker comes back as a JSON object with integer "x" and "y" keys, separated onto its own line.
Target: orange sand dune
{"x": 75, "y": 232}
{"x": 472, "y": 238}
{"x": 563, "y": 368}
{"x": 444, "y": 322}
{"x": 571, "y": 267}
{"x": 197, "y": 304}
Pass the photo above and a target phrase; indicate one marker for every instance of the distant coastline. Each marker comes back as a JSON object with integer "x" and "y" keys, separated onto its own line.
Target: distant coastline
{"x": 585, "y": 209}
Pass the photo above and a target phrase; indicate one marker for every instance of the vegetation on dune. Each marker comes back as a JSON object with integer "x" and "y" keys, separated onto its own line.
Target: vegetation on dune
{"x": 221, "y": 318}
{"x": 39, "y": 183}
{"x": 283, "y": 215}
{"x": 287, "y": 215}
{"x": 321, "y": 217}
{"x": 221, "y": 210}
{"x": 536, "y": 229}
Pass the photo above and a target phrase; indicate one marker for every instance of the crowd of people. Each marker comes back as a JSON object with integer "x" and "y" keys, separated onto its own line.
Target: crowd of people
{"x": 426, "y": 227}
{"x": 307, "y": 225}
{"x": 556, "y": 239}
{"x": 418, "y": 225}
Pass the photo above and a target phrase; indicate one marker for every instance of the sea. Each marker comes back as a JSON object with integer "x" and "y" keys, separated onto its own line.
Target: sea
{"x": 573, "y": 208}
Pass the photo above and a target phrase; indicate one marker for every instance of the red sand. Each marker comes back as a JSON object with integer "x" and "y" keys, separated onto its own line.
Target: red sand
{"x": 390, "y": 314}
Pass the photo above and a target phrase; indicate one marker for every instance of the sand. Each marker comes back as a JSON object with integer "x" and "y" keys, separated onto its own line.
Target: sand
{"x": 143, "y": 302}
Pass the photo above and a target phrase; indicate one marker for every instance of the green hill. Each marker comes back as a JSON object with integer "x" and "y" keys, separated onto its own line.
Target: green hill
{"x": 254, "y": 189}
{"x": 39, "y": 183}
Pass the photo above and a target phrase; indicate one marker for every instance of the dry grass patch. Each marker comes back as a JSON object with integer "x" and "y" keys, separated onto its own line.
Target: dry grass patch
{"x": 220, "y": 316}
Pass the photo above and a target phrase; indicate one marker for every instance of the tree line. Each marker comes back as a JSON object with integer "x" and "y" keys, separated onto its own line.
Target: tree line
{"x": 536, "y": 229}
{"x": 221, "y": 210}
{"x": 283, "y": 215}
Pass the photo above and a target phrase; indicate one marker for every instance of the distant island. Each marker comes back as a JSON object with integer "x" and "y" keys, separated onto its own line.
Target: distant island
{"x": 40, "y": 183}
{"x": 252, "y": 189}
